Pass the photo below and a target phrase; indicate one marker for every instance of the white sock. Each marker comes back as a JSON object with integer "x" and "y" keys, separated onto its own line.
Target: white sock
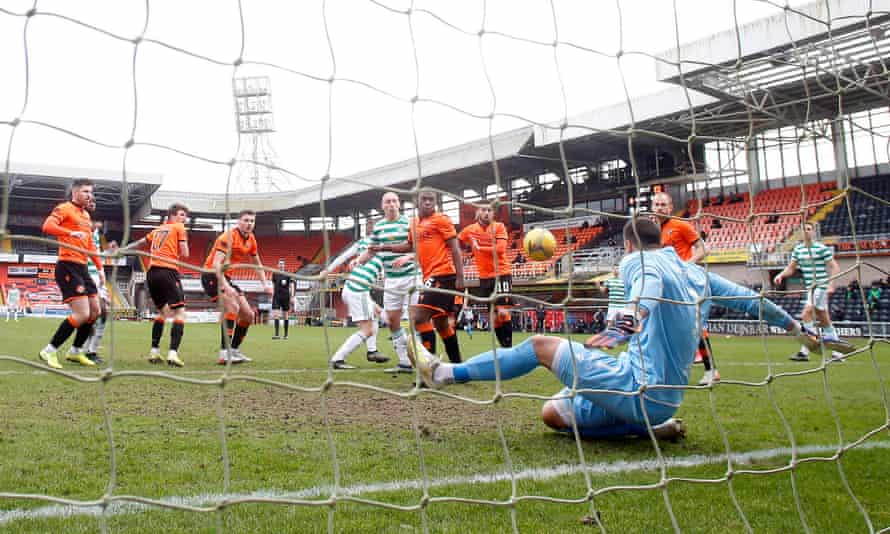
{"x": 400, "y": 344}
{"x": 172, "y": 353}
{"x": 351, "y": 343}
{"x": 804, "y": 350}
{"x": 444, "y": 373}
{"x": 371, "y": 342}
{"x": 155, "y": 350}
{"x": 49, "y": 348}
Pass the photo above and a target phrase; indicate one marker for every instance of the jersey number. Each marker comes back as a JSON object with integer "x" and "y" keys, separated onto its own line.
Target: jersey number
{"x": 159, "y": 238}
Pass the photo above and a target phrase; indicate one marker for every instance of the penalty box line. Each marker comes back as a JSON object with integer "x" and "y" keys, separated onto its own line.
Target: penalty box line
{"x": 57, "y": 511}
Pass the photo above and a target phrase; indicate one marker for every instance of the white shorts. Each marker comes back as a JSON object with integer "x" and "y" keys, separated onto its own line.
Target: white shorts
{"x": 395, "y": 292}
{"x": 613, "y": 314}
{"x": 101, "y": 288}
{"x": 359, "y": 304}
{"x": 818, "y": 298}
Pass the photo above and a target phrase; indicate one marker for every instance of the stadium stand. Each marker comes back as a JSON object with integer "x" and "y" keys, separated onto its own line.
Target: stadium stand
{"x": 767, "y": 231}
{"x": 872, "y": 218}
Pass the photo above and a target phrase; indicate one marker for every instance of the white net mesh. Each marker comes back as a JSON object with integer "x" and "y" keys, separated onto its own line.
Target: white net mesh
{"x": 794, "y": 96}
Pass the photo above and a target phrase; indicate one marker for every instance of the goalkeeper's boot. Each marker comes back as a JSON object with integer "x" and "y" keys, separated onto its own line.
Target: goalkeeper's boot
{"x": 79, "y": 357}
{"x": 95, "y": 358}
{"x": 50, "y": 359}
{"x": 375, "y": 357}
{"x": 426, "y": 364}
{"x": 710, "y": 376}
{"x": 671, "y": 430}
{"x": 341, "y": 365}
{"x": 400, "y": 368}
{"x": 155, "y": 357}
{"x": 833, "y": 342}
{"x": 173, "y": 359}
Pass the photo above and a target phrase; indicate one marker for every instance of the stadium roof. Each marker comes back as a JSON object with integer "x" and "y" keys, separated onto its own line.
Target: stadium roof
{"x": 791, "y": 67}
{"x": 37, "y": 188}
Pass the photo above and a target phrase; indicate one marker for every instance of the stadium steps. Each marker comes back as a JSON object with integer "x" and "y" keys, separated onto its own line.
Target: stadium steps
{"x": 825, "y": 210}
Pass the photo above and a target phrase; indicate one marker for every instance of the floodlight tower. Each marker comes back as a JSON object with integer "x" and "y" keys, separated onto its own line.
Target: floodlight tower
{"x": 256, "y": 170}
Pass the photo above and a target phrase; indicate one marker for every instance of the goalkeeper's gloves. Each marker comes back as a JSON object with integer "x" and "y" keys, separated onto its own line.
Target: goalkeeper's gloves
{"x": 617, "y": 334}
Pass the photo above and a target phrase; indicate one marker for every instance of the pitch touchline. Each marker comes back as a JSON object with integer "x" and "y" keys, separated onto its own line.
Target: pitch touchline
{"x": 602, "y": 468}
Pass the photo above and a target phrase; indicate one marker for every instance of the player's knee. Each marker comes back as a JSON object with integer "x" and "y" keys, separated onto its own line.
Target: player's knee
{"x": 551, "y": 416}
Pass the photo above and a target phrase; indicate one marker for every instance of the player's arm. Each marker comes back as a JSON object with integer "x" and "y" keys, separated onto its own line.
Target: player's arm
{"x": 390, "y": 247}
{"x": 786, "y": 272}
{"x": 699, "y": 251}
{"x": 458, "y": 262}
{"x": 645, "y": 284}
{"x": 53, "y": 225}
{"x": 403, "y": 259}
{"x": 219, "y": 257}
{"x": 255, "y": 258}
{"x": 747, "y": 301}
{"x": 833, "y": 270}
{"x": 135, "y": 244}
{"x": 183, "y": 243}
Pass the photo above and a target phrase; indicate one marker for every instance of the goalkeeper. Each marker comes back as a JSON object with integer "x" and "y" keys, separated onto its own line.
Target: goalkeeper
{"x": 662, "y": 340}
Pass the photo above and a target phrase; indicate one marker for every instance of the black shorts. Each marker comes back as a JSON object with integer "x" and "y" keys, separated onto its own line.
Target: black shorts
{"x": 211, "y": 285}
{"x": 442, "y": 302}
{"x": 281, "y": 302}
{"x": 74, "y": 280}
{"x": 165, "y": 288}
{"x": 486, "y": 288}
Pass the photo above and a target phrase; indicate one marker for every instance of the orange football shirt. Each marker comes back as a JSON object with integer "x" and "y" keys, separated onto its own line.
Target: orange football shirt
{"x": 165, "y": 240}
{"x": 493, "y": 235}
{"x": 433, "y": 253}
{"x": 243, "y": 248}
{"x": 68, "y": 217}
{"x": 680, "y": 235}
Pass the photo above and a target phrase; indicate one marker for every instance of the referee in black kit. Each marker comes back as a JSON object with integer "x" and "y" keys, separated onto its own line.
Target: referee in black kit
{"x": 282, "y": 296}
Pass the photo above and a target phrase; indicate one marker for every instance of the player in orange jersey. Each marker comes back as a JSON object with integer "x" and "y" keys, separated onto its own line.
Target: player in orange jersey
{"x": 237, "y": 245}
{"x": 488, "y": 240}
{"x": 70, "y": 223}
{"x": 169, "y": 244}
{"x": 691, "y": 248}
{"x": 439, "y": 257}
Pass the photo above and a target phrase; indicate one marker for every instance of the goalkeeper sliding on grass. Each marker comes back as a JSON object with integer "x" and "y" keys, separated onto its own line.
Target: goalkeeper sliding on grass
{"x": 662, "y": 338}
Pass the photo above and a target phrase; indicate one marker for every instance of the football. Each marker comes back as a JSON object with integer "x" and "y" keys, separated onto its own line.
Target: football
{"x": 539, "y": 244}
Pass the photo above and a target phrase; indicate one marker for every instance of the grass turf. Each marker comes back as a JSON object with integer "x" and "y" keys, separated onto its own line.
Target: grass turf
{"x": 281, "y": 441}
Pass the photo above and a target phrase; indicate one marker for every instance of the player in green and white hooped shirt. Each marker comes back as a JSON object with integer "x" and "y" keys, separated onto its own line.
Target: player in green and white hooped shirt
{"x": 400, "y": 273}
{"x": 818, "y": 267}
{"x": 91, "y": 347}
{"x": 363, "y": 310}
{"x": 615, "y": 287}
{"x": 13, "y": 302}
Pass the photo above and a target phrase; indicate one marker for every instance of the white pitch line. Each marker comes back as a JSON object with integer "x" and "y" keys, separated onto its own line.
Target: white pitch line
{"x": 538, "y": 474}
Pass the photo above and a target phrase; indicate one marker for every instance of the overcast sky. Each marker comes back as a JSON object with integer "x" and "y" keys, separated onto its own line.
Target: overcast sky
{"x": 82, "y": 81}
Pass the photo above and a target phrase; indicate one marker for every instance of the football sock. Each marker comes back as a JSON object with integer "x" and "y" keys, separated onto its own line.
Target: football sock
{"x": 176, "y": 334}
{"x": 63, "y": 332}
{"x": 452, "y": 348}
{"x": 157, "y": 330}
{"x": 514, "y": 362}
{"x": 400, "y": 344}
{"x": 371, "y": 342}
{"x": 286, "y": 325}
{"x": 239, "y": 334}
{"x": 277, "y": 321}
{"x": 427, "y": 336}
{"x": 227, "y": 328}
{"x": 83, "y": 332}
{"x": 351, "y": 343}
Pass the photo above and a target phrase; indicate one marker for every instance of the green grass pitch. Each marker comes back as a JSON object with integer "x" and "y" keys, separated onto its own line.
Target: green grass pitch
{"x": 167, "y": 437}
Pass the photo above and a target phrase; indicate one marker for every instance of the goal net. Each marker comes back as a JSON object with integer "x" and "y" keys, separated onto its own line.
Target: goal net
{"x": 758, "y": 118}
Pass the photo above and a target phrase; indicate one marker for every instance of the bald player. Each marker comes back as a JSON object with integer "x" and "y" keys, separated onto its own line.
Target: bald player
{"x": 690, "y": 248}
